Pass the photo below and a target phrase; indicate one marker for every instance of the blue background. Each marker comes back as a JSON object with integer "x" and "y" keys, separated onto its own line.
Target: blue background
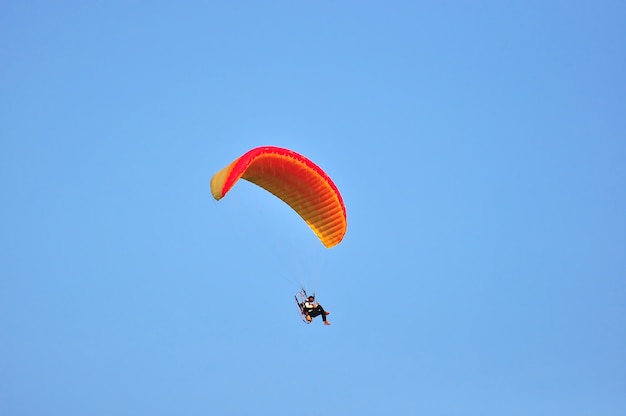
{"x": 480, "y": 148}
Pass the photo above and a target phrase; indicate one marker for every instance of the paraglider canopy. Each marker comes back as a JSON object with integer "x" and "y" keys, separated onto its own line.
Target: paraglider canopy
{"x": 297, "y": 181}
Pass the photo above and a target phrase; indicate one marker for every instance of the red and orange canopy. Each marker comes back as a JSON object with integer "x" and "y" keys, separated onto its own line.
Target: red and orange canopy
{"x": 297, "y": 181}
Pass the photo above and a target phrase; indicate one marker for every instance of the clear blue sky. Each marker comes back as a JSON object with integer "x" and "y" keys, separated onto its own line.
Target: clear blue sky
{"x": 480, "y": 147}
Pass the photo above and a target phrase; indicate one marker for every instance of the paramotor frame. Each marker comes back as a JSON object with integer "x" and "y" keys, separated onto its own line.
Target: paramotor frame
{"x": 300, "y": 298}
